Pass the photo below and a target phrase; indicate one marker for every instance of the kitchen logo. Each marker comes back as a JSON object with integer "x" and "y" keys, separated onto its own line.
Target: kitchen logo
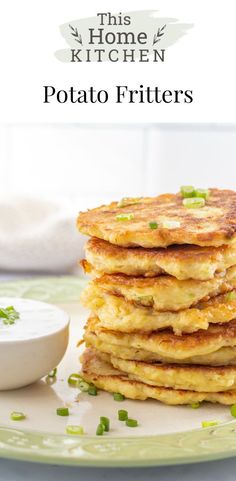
{"x": 141, "y": 36}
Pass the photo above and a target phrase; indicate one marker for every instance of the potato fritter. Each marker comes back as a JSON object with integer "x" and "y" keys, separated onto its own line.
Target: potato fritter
{"x": 165, "y": 342}
{"x": 226, "y": 356}
{"x": 116, "y": 313}
{"x": 180, "y": 261}
{"x": 165, "y": 293}
{"x": 104, "y": 376}
{"x": 129, "y": 225}
{"x": 176, "y": 376}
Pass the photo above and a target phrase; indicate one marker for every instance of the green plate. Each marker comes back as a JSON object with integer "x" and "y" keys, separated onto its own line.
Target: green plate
{"x": 166, "y": 435}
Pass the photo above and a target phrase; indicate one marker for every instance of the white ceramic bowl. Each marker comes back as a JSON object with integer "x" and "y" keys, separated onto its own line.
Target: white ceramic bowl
{"x": 32, "y": 346}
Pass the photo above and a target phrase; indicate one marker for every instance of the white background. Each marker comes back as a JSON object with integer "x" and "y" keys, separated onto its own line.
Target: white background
{"x": 203, "y": 60}
{"x": 92, "y": 164}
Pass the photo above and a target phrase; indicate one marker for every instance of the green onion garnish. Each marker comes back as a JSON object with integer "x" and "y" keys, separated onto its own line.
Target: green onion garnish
{"x": 170, "y": 224}
{"x": 77, "y": 380}
{"x": 105, "y": 422}
{"x": 145, "y": 300}
{"x": 195, "y": 405}
{"x": 128, "y": 201}
{"x": 187, "y": 191}
{"x": 131, "y": 423}
{"x": 92, "y": 390}
{"x": 230, "y": 296}
{"x": 122, "y": 202}
{"x": 153, "y": 225}
{"x": 194, "y": 203}
{"x": 122, "y": 415}
{"x": 100, "y": 429}
{"x": 83, "y": 386}
{"x": 17, "y": 416}
{"x": 62, "y": 411}
{"x": 73, "y": 379}
{"x": 75, "y": 430}
{"x": 9, "y": 315}
{"x": 233, "y": 410}
{"x": 204, "y": 193}
{"x": 118, "y": 397}
{"x": 53, "y": 373}
{"x": 50, "y": 380}
{"x": 207, "y": 424}
{"x": 128, "y": 216}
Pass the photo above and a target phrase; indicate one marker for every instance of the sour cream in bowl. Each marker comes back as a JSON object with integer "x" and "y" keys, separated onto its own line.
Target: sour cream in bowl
{"x": 33, "y": 340}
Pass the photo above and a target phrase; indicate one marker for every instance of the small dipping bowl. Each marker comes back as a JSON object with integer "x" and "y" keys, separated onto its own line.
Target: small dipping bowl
{"x": 32, "y": 346}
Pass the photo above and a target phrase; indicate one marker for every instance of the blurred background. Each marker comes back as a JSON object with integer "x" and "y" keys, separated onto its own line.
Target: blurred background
{"x": 95, "y": 163}
{"x": 51, "y": 171}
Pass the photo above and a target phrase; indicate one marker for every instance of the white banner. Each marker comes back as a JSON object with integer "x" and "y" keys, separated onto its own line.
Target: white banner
{"x": 167, "y": 61}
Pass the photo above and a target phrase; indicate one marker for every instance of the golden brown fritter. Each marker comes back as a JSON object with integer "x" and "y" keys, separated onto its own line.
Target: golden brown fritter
{"x": 180, "y": 261}
{"x": 226, "y": 356}
{"x": 165, "y": 293}
{"x": 192, "y": 378}
{"x": 166, "y": 343}
{"x": 211, "y": 225}
{"x": 100, "y": 372}
{"x": 117, "y": 314}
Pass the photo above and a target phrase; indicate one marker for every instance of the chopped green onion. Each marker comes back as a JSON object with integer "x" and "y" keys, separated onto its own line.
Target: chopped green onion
{"x": 170, "y": 224}
{"x": 9, "y": 315}
{"x": 187, "y": 191}
{"x": 122, "y": 202}
{"x": 195, "y": 405}
{"x": 194, "y": 203}
{"x": 100, "y": 429}
{"x": 207, "y": 424}
{"x": 118, "y": 397}
{"x": 75, "y": 430}
{"x": 73, "y": 379}
{"x": 62, "y": 411}
{"x": 53, "y": 373}
{"x": 77, "y": 380}
{"x": 153, "y": 225}
{"x": 105, "y": 422}
{"x": 122, "y": 415}
{"x": 204, "y": 193}
{"x": 145, "y": 300}
{"x": 17, "y": 416}
{"x": 230, "y": 296}
{"x": 131, "y": 423}
{"x": 233, "y": 410}
{"x": 92, "y": 390}
{"x": 127, "y": 216}
{"x": 128, "y": 201}
{"x": 83, "y": 386}
{"x": 50, "y": 380}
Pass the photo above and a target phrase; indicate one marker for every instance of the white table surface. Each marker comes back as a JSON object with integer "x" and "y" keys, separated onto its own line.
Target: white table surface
{"x": 212, "y": 471}
{"x": 21, "y": 471}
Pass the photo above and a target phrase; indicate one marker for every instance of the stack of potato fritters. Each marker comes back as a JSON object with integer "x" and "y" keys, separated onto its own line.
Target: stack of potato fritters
{"x": 162, "y": 298}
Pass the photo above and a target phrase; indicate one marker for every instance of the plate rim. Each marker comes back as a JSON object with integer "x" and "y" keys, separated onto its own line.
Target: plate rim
{"x": 197, "y": 445}
{"x": 192, "y": 446}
